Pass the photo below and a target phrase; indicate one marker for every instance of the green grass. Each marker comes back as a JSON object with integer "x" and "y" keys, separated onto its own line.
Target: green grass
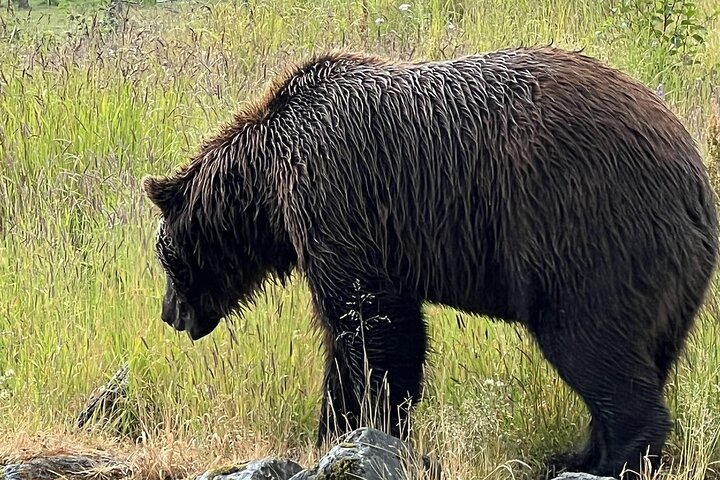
{"x": 84, "y": 113}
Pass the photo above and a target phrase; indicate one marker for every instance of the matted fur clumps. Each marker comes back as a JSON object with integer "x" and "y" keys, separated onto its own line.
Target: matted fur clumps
{"x": 532, "y": 185}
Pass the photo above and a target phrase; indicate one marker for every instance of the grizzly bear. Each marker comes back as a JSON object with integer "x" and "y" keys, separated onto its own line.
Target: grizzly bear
{"x": 531, "y": 185}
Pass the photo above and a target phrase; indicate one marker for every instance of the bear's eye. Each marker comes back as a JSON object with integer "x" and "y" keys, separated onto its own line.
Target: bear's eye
{"x": 168, "y": 256}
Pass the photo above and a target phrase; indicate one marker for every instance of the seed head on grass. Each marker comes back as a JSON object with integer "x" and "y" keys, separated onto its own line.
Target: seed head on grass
{"x": 713, "y": 142}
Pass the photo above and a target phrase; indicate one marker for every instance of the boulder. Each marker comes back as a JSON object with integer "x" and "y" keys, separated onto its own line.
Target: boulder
{"x": 264, "y": 469}
{"x": 75, "y": 467}
{"x": 104, "y": 404}
{"x": 580, "y": 476}
{"x": 371, "y": 455}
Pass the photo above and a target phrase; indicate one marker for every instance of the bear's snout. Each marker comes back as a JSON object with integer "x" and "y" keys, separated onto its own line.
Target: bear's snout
{"x": 183, "y": 317}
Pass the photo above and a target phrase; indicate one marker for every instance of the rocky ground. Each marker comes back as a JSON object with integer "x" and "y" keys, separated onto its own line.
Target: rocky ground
{"x": 365, "y": 454}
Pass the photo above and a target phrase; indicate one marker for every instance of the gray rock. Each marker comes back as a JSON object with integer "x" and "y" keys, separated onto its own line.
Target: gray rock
{"x": 102, "y": 406}
{"x": 368, "y": 454}
{"x": 580, "y": 476}
{"x": 66, "y": 467}
{"x": 264, "y": 469}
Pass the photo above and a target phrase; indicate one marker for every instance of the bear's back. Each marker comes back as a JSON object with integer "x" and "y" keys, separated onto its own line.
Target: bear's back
{"x": 529, "y": 166}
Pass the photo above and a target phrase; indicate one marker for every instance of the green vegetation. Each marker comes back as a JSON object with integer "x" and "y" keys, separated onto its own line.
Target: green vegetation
{"x": 86, "y": 110}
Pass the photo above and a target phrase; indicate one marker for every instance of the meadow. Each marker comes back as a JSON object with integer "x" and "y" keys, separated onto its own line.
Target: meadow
{"x": 89, "y": 104}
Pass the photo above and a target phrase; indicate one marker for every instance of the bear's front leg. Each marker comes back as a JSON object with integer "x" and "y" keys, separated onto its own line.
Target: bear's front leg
{"x": 376, "y": 348}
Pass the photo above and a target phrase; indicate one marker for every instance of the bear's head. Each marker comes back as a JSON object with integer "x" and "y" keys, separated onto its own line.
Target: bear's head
{"x": 193, "y": 300}
{"x": 215, "y": 246}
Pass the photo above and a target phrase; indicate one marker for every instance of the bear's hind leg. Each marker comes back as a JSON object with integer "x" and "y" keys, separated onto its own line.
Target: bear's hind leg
{"x": 620, "y": 383}
{"x": 671, "y": 342}
{"x": 375, "y": 355}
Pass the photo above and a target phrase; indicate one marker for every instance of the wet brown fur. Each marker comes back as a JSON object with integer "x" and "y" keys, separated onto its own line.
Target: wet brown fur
{"x": 532, "y": 185}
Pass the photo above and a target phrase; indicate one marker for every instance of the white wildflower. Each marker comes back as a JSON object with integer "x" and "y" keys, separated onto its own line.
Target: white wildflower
{"x": 404, "y": 7}
{"x": 659, "y": 91}
{"x": 379, "y": 21}
{"x": 493, "y": 383}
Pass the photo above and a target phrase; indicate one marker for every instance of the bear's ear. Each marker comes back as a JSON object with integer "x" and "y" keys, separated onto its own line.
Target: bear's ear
{"x": 162, "y": 191}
